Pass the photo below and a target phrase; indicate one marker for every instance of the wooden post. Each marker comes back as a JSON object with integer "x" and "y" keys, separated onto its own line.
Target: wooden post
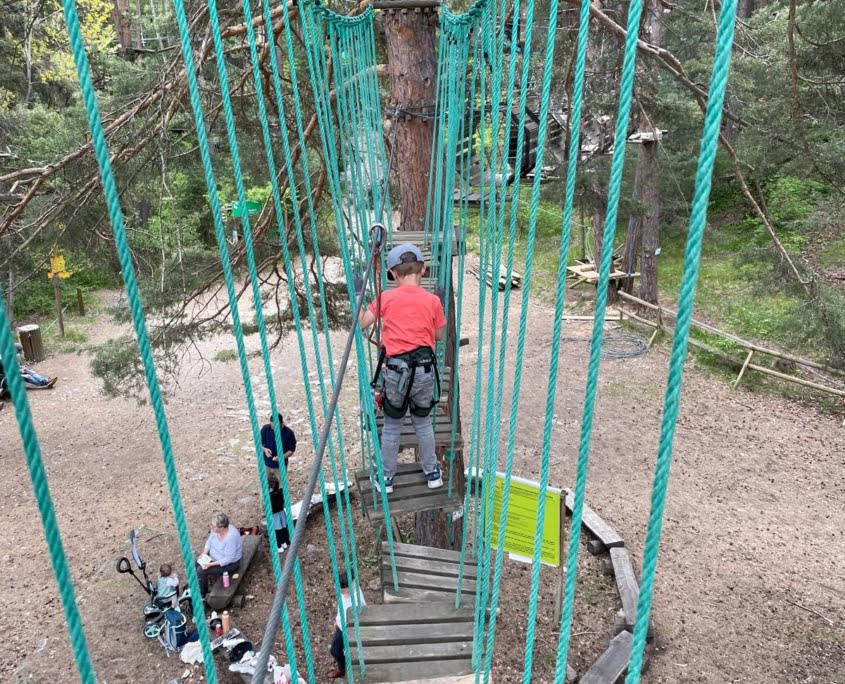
{"x": 561, "y": 571}
{"x": 742, "y": 370}
{"x": 10, "y": 293}
{"x": 33, "y": 347}
{"x": 58, "y": 292}
{"x": 80, "y": 303}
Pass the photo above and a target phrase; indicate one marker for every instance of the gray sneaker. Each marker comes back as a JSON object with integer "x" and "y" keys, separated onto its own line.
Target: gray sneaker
{"x": 388, "y": 485}
{"x": 434, "y": 479}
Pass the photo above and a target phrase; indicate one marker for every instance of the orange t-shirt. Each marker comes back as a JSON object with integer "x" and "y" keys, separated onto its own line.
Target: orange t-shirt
{"x": 409, "y": 317}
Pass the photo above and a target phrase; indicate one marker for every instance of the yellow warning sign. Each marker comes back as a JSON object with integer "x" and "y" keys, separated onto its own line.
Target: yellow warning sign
{"x": 521, "y": 521}
{"x": 57, "y": 267}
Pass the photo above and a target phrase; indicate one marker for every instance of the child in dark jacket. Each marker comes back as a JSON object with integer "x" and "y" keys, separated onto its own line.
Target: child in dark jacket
{"x": 280, "y": 522}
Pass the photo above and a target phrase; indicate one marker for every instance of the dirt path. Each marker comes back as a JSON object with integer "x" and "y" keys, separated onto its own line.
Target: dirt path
{"x": 754, "y": 521}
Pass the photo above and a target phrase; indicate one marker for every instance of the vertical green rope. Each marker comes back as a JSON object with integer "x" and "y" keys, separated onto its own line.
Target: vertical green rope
{"x": 686, "y": 298}
{"x": 566, "y": 232}
{"x": 112, "y": 198}
{"x": 626, "y": 90}
{"x": 44, "y": 501}
{"x": 211, "y": 184}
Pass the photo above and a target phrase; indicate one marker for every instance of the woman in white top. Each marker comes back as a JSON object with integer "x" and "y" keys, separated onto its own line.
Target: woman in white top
{"x": 224, "y": 549}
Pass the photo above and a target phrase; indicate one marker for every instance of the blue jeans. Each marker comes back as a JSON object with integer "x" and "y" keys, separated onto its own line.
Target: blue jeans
{"x": 34, "y": 378}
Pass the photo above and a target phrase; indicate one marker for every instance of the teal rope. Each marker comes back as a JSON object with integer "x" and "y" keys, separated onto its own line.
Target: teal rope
{"x": 44, "y": 501}
{"x": 211, "y": 184}
{"x": 571, "y": 172}
{"x": 100, "y": 145}
{"x": 526, "y": 288}
{"x": 491, "y": 430}
{"x": 686, "y": 298}
{"x": 319, "y": 78}
{"x": 347, "y": 538}
{"x": 625, "y": 96}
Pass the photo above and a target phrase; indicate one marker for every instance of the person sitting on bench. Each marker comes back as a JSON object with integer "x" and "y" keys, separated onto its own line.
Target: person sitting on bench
{"x": 224, "y": 547}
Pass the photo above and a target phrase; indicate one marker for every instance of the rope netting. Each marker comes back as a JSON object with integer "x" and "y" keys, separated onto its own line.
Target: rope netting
{"x": 483, "y": 79}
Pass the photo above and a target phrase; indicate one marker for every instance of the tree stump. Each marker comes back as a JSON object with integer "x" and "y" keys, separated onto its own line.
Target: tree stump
{"x": 33, "y": 347}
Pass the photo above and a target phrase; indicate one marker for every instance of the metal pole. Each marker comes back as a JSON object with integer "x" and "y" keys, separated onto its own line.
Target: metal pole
{"x": 378, "y": 235}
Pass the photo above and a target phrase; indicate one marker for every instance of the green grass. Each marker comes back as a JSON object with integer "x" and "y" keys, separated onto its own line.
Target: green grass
{"x": 546, "y": 244}
{"x": 832, "y": 255}
{"x": 226, "y": 355}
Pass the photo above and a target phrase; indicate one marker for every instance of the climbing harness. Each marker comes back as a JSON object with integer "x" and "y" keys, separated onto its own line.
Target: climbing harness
{"x": 406, "y": 365}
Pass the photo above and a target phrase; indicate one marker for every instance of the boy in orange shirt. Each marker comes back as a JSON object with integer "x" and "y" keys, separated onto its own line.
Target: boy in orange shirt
{"x": 412, "y": 319}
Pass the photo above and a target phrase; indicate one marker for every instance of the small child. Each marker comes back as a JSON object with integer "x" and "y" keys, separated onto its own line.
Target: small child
{"x": 280, "y": 521}
{"x": 337, "y": 649}
{"x": 168, "y": 583}
{"x": 412, "y": 319}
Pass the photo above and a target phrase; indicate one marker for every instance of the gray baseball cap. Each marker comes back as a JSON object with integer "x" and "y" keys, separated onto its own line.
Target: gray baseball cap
{"x": 395, "y": 255}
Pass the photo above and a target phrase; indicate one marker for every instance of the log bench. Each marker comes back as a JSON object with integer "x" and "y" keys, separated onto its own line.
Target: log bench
{"x": 219, "y": 596}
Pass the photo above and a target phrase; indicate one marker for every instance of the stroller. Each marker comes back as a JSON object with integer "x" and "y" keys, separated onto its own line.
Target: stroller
{"x": 154, "y": 610}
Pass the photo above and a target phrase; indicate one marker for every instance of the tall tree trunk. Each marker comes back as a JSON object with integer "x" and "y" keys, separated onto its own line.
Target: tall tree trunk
{"x": 650, "y": 227}
{"x": 744, "y": 8}
{"x": 647, "y": 173}
{"x": 412, "y": 66}
{"x": 120, "y": 15}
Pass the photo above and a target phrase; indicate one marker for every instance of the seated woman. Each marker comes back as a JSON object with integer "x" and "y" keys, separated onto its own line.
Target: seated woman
{"x": 224, "y": 547}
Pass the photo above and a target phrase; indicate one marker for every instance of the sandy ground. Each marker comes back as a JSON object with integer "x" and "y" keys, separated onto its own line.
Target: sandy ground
{"x": 750, "y": 582}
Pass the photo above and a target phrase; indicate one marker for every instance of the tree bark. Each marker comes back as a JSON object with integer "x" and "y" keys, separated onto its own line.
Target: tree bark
{"x": 648, "y": 181}
{"x": 650, "y": 227}
{"x": 412, "y": 67}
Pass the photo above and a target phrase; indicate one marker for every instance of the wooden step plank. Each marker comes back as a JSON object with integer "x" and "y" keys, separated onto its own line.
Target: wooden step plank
{"x": 387, "y": 635}
{"x": 417, "y": 505}
{"x": 613, "y": 663}
{"x": 419, "y": 580}
{"x": 431, "y": 567}
{"x": 424, "y": 240}
{"x": 412, "y": 653}
{"x": 429, "y": 671}
{"x": 415, "y": 550}
{"x": 402, "y": 492}
{"x": 380, "y": 614}
{"x": 421, "y": 596}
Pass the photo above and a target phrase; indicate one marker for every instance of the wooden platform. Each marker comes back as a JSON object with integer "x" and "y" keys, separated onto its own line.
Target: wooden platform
{"x": 426, "y": 574}
{"x": 586, "y": 273}
{"x": 219, "y": 596}
{"x": 442, "y": 433}
{"x": 424, "y": 241}
{"x": 431, "y": 641}
{"x": 410, "y": 493}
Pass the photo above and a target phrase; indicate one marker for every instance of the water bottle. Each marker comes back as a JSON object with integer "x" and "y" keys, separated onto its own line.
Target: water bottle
{"x": 227, "y": 625}
{"x": 226, "y": 579}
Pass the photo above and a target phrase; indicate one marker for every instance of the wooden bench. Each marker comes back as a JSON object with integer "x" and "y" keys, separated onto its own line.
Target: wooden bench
{"x": 219, "y": 596}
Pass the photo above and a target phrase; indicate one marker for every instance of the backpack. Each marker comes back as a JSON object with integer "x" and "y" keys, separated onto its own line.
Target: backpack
{"x": 174, "y": 631}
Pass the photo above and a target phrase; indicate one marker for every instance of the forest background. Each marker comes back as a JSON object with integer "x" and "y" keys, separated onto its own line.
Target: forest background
{"x": 773, "y": 266}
